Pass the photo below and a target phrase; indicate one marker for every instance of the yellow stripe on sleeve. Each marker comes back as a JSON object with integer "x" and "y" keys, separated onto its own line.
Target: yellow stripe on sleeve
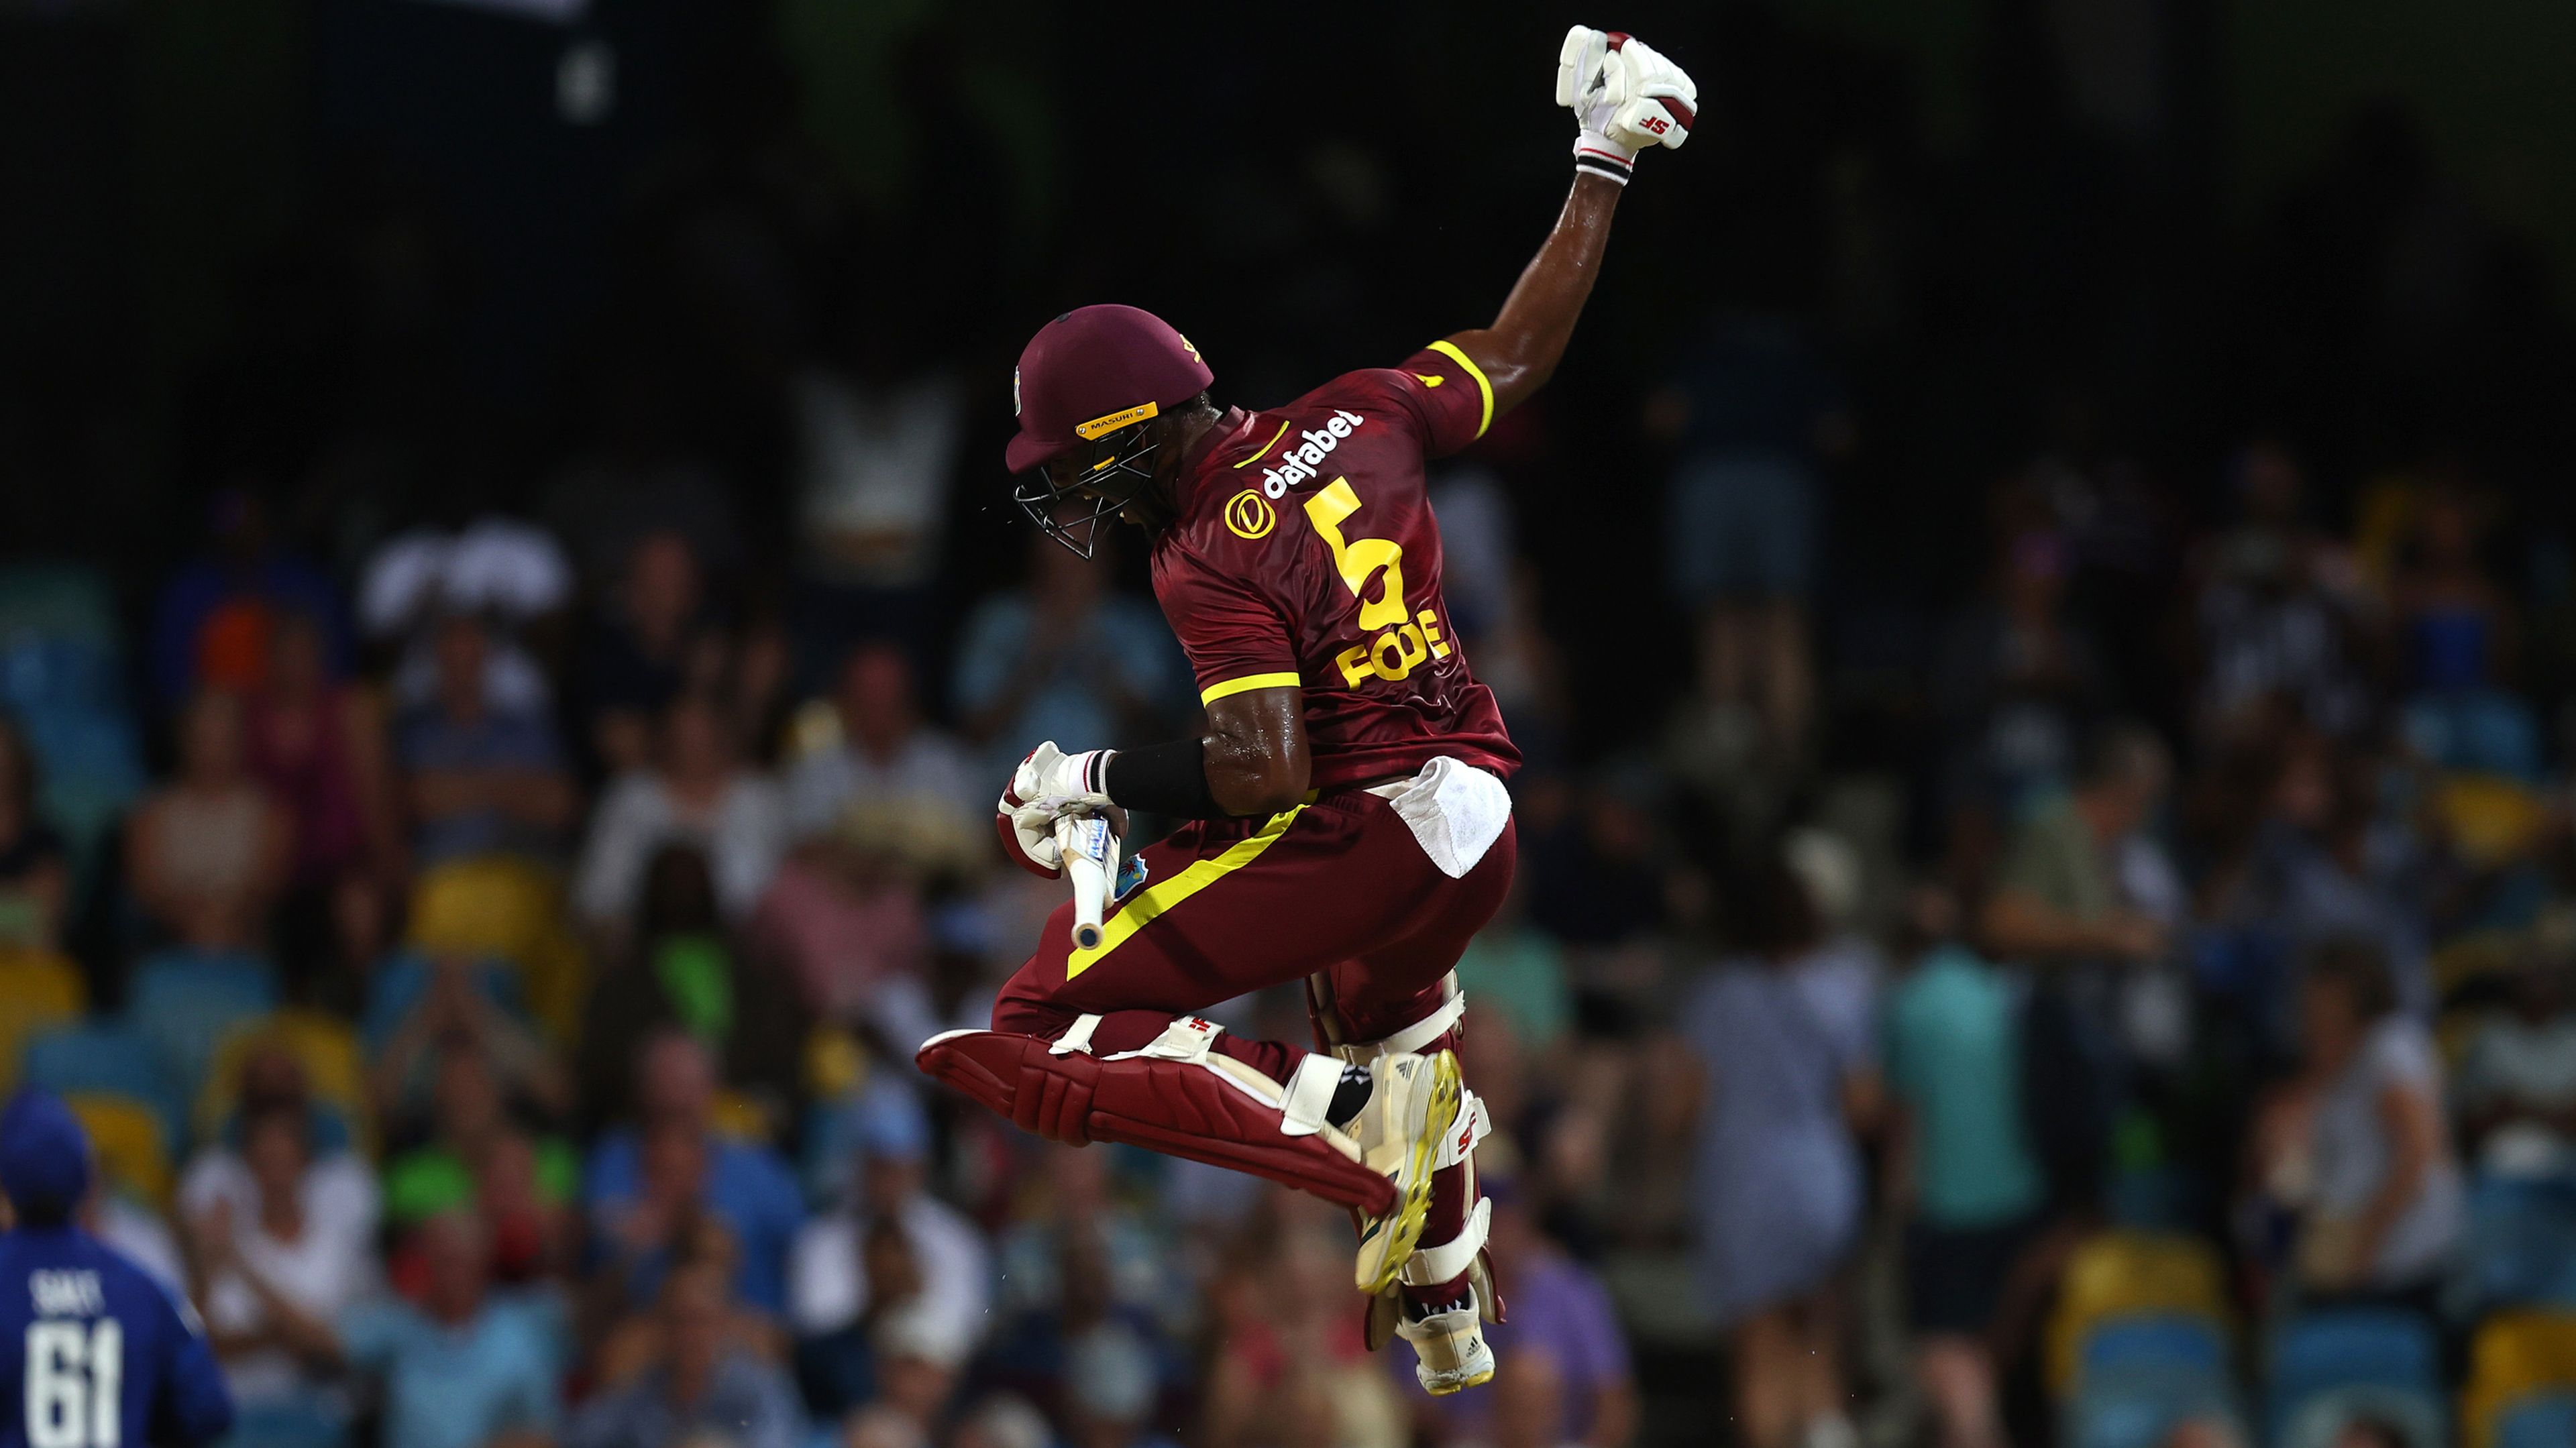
{"x": 1141, "y": 908}
{"x": 1484, "y": 388}
{"x": 1265, "y": 447}
{"x": 1214, "y": 692}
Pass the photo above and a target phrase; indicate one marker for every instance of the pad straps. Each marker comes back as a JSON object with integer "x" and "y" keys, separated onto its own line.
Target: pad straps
{"x": 1421, "y": 1033}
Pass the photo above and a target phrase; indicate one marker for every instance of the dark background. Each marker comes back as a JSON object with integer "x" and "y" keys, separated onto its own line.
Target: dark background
{"x": 374, "y": 259}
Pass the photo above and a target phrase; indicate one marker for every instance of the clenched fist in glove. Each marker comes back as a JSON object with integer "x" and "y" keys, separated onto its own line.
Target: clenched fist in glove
{"x": 1625, "y": 97}
{"x": 1047, "y": 786}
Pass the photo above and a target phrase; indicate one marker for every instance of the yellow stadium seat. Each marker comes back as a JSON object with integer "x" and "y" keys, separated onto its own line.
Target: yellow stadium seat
{"x": 2491, "y": 819}
{"x": 2129, "y": 1273}
{"x": 38, "y": 991}
{"x": 505, "y": 908}
{"x": 334, "y": 1070}
{"x": 2515, "y": 1355}
{"x": 742, "y": 1117}
{"x": 127, "y": 1136}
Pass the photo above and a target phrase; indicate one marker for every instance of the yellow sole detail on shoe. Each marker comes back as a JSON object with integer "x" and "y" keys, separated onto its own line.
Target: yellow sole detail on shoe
{"x": 1404, "y": 1228}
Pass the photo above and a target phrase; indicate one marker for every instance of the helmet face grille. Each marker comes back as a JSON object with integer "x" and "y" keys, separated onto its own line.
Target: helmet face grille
{"x": 1072, "y": 497}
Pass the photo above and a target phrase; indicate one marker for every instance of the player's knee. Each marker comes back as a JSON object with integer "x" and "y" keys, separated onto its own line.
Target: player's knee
{"x": 1030, "y": 1018}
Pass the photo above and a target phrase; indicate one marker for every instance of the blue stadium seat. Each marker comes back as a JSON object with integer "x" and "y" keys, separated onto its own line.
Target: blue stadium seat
{"x": 58, "y": 601}
{"x": 185, "y": 1003}
{"x": 91, "y": 763}
{"x": 2543, "y": 1422}
{"x": 105, "y": 1058}
{"x": 2520, "y": 1247}
{"x": 2421, "y": 1419}
{"x": 2139, "y": 1407}
{"x": 41, "y": 672}
{"x": 287, "y": 1425}
{"x": 2324, "y": 1351}
{"x": 2179, "y": 1344}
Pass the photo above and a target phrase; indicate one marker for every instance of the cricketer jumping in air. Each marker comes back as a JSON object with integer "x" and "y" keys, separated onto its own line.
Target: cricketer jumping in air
{"x": 1347, "y": 824}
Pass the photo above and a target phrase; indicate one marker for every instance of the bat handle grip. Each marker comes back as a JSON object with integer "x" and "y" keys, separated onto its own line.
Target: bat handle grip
{"x": 1086, "y": 843}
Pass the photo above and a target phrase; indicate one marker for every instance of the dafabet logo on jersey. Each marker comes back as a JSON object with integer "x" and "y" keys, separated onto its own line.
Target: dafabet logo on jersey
{"x": 1299, "y": 463}
{"x": 1248, "y": 515}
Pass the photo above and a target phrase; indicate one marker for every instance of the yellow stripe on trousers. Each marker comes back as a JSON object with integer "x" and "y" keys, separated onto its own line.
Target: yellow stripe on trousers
{"x": 1145, "y": 905}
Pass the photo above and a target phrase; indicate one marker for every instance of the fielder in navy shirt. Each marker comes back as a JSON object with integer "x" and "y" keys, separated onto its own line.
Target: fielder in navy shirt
{"x": 93, "y": 1352}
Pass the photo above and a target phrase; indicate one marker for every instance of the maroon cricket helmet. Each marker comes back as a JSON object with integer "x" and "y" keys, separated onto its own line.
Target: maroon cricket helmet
{"x": 1093, "y": 371}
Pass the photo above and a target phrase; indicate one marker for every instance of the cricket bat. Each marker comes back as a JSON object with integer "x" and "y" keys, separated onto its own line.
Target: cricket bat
{"x": 1090, "y": 862}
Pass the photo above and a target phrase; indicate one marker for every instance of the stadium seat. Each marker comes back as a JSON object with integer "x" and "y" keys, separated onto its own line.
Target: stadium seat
{"x": 104, "y": 1058}
{"x": 2140, "y": 1407}
{"x": 2516, "y": 1356}
{"x": 58, "y": 601}
{"x": 287, "y": 1425}
{"x": 2548, "y": 1421}
{"x": 334, "y": 1071}
{"x": 186, "y": 1004}
{"x": 2321, "y": 1419}
{"x": 2520, "y": 1247}
{"x": 2329, "y": 1367}
{"x": 91, "y": 763}
{"x": 2328, "y": 1350}
{"x": 130, "y": 1139}
{"x": 500, "y": 907}
{"x": 2130, "y": 1274}
{"x": 38, "y": 991}
{"x": 2179, "y": 1342}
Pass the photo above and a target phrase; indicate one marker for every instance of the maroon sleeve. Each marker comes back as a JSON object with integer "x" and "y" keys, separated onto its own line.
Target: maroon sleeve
{"x": 1444, "y": 393}
{"x": 1235, "y": 638}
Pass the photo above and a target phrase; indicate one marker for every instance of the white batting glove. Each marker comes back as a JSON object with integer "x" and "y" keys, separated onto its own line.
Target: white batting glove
{"x": 1625, "y": 97}
{"x": 1047, "y": 786}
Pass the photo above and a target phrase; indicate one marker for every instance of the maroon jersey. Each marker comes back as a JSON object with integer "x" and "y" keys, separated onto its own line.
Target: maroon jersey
{"x": 1305, "y": 553}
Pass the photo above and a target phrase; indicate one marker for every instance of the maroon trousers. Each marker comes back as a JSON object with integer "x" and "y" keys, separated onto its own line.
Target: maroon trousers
{"x": 1229, "y": 907}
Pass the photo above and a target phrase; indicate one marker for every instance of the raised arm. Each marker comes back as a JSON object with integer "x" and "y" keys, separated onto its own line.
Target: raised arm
{"x": 1625, "y": 98}
{"x": 1519, "y": 352}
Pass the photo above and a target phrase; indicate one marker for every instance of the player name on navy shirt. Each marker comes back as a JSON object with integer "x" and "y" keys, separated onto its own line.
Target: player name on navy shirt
{"x": 95, "y": 1354}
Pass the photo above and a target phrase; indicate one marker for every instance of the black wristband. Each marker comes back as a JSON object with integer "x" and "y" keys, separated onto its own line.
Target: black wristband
{"x": 1164, "y": 779}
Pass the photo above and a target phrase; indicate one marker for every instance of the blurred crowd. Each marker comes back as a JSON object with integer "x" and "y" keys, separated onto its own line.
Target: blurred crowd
{"x": 2047, "y": 904}
{"x": 496, "y": 1013}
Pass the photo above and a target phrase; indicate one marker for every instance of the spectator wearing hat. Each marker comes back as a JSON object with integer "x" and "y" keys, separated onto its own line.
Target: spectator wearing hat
{"x": 844, "y": 921}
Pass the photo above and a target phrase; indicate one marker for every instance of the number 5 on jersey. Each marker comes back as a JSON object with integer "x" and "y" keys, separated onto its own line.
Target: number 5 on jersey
{"x": 1401, "y": 642}
{"x": 75, "y": 1375}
